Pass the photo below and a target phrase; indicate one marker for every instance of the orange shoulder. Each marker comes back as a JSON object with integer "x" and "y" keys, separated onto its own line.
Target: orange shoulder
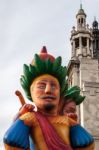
{"x": 29, "y": 118}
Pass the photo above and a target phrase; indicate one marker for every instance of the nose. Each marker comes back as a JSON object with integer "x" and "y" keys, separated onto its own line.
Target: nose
{"x": 48, "y": 88}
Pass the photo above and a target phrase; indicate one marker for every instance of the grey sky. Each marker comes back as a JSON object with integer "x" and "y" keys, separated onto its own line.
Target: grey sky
{"x": 25, "y": 26}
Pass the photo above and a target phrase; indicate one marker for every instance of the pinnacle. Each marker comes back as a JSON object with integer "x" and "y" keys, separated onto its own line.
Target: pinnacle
{"x": 44, "y": 50}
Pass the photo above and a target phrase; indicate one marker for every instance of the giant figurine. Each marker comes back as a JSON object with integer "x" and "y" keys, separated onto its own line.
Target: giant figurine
{"x": 45, "y": 83}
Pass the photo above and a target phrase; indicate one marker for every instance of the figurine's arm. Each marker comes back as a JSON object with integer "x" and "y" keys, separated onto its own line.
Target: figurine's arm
{"x": 17, "y": 136}
{"x": 25, "y": 107}
{"x": 80, "y": 138}
{"x": 90, "y": 147}
{"x": 7, "y": 147}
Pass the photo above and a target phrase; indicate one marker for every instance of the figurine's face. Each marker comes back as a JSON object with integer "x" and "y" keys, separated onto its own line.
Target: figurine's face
{"x": 45, "y": 92}
{"x": 69, "y": 107}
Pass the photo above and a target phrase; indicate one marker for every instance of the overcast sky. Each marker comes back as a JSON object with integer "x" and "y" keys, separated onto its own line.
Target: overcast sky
{"x": 25, "y": 26}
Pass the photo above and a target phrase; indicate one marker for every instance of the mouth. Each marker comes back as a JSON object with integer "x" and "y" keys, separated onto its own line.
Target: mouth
{"x": 48, "y": 97}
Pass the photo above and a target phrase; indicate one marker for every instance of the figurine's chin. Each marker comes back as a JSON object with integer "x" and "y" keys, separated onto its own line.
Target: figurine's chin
{"x": 49, "y": 107}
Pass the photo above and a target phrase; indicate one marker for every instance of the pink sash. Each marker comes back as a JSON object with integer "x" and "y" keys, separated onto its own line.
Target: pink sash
{"x": 52, "y": 139}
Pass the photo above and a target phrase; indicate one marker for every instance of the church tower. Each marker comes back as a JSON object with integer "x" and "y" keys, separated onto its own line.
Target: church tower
{"x": 81, "y": 39}
{"x": 83, "y": 70}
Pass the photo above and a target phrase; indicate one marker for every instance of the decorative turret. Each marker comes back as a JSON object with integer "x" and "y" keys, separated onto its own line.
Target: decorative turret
{"x": 81, "y": 37}
{"x": 95, "y": 24}
{"x": 81, "y": 19}
{"x": 95, "y": 32}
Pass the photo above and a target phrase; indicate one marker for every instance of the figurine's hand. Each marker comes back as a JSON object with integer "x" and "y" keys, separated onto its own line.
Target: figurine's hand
{"x": 72, "y": 115}
{"x": 26, "y": 108}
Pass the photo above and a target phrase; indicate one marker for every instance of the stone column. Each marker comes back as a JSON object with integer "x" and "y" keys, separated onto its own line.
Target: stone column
{"x": 91, "y": 47}
{"x": 80, "y": 45}
{"x": 88, "y": 49}
{"x": 74, "y": 52}
{"x": 76, "y": 75}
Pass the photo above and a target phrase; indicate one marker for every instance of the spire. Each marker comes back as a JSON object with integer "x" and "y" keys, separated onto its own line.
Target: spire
{"x": 81, "y": 10}
{"x": 81, "y": 18}
{"x": 80, "y": 5}
{"x": 94, "y": 18}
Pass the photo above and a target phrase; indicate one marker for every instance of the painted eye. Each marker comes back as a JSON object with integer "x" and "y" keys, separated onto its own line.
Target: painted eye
{"x": 41, "y": 86}
{"x": 53, "y": 87}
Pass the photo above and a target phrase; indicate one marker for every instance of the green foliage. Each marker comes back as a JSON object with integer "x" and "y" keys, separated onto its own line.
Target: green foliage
{"x": 74, "y": 94}
{"x": 80, "y": 99}
{"x": 39, "y": 64}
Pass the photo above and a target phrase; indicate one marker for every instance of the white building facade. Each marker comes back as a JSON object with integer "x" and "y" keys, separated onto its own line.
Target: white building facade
{"x": 83, "y": 71}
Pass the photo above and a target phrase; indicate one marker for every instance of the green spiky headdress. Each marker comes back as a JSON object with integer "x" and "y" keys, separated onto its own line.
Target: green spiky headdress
{"x": 43, "y": 66}
{"x": 74, "y": 94}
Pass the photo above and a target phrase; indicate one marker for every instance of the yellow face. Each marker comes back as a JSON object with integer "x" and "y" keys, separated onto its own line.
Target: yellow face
{"x": 45, "y": 92}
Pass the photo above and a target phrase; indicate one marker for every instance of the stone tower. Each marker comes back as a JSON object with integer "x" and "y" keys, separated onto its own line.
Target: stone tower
{"x": 83, "y": 69}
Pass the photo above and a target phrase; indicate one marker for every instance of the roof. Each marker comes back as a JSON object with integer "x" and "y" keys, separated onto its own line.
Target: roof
{"x": 81, "y": 11}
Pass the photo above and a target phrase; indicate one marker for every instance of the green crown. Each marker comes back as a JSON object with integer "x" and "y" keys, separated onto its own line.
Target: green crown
{"x": 41, "y": 67}
{"x": 74, "y": 94}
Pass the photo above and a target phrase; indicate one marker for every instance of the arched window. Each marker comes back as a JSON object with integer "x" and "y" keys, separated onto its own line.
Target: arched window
{"x": 79, "y": 20}
{"x": 84, "y": 41}
{"x": 97, "y": 44}
{"x": 82, "y": 20}
{"x": 76, "y": 42}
